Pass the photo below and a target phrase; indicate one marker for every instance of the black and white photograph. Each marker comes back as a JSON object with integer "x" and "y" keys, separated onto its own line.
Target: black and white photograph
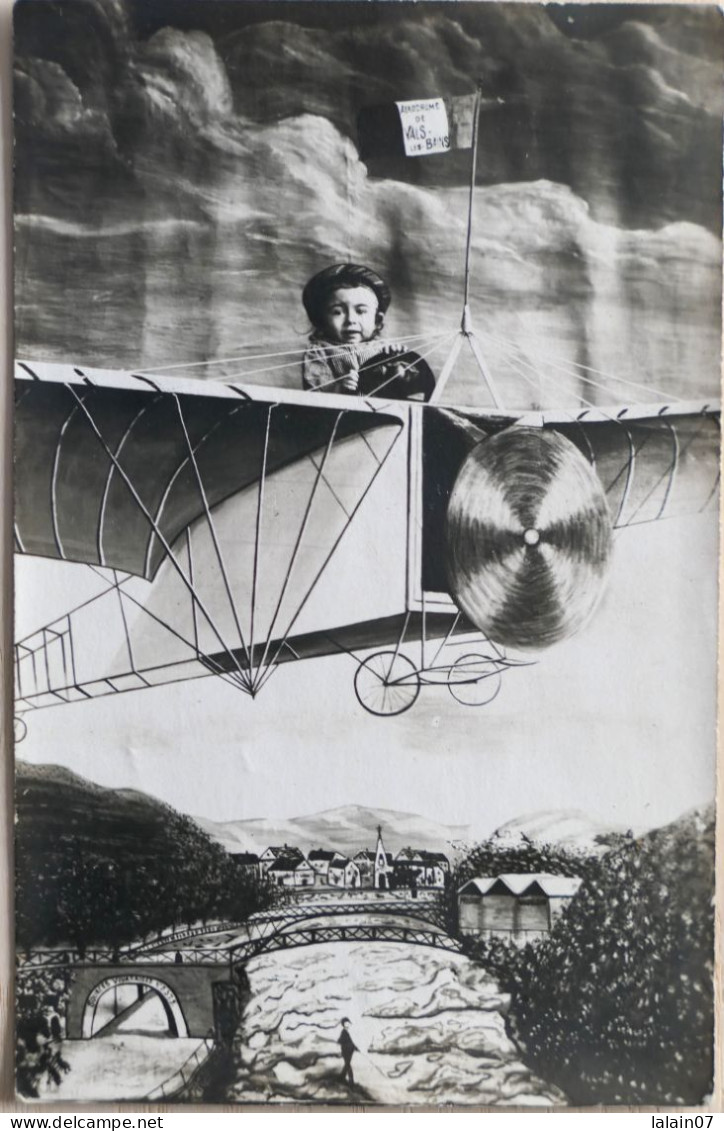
{"x": 366, "y": 496}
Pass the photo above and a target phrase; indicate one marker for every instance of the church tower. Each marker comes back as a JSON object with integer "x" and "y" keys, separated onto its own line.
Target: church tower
{"x": 382, "y": 867}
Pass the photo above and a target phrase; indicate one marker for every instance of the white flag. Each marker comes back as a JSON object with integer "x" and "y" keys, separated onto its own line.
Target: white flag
{"x": 425, "y": 127}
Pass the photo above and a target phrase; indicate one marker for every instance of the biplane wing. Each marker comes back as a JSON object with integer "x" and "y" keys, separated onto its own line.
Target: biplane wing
{"x": 654, "y": 462}
{"x": 213, "y": 511}
{"x": 112, "y": 470}
{"x": 238, "y": 528}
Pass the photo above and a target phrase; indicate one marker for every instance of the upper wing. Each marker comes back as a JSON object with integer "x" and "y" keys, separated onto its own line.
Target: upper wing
{"x": 655, "y": 467}
{"x": 652, "y": 463}
{"x": 111, "y": 471}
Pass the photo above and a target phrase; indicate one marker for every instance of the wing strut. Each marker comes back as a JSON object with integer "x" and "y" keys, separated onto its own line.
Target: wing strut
{"x": 239, "y": 674}
{"x": 466, "y": 333}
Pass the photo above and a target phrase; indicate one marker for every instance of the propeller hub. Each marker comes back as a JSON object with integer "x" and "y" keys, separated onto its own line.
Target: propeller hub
{"x": 531, "y": 537}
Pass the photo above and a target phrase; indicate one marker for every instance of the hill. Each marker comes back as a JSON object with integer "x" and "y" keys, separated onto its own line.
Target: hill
{"x": 52, "y": 803}
{"x": 566, "y": 828}
{"x": 347, "y": 829}
{"x": 98, "y": 866}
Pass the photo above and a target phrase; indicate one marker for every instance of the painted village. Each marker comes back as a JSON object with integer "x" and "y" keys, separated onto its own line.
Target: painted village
{"x": 225, "y": 976}
{"x": 518, "y": 907}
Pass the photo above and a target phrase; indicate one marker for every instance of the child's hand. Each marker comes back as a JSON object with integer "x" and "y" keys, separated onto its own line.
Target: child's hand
{"x": 390, "y": 348}
{"x": 350, "y": 383}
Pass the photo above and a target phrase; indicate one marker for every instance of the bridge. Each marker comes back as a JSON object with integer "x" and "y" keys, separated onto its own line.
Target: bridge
{"x": 201, "y": 978}
{"x": 265, "y": 923}
{"x": 371, "y": 932}
{"x": 198, "y": 1000}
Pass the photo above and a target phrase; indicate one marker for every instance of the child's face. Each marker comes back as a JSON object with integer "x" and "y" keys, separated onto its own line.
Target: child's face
{"x": 350, "y": 315}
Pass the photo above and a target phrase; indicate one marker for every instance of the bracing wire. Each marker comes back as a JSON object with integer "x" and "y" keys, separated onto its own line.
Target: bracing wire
{"x": 627, "y": 469}
{"x": 342, "y": 354}
{"x": 220, "y": 423}
{"x": 573, "y": 369}
{"x": 212, "y": 530}
{"x": 271, "y": 665}
{"x": 348, "y": 354}
{"x": 159, "y": 534}
{"x": 257, "y": 539}
{"x": 441, "y": 341}
{"x": 159, "y": 370}
{"x": 228, "y": 677}
{"x": 300, "y": 536}
{"x": 669, "y": 471}
{"x": 516, "y": 358}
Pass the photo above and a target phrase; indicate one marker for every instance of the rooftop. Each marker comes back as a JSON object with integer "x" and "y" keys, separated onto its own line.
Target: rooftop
{"x": 518, "y": 883}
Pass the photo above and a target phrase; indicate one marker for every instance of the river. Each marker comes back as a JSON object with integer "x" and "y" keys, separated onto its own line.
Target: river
{"x": 429, "y": 1025}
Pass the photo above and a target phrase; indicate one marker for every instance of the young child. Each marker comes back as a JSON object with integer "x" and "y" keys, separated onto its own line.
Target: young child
{"x": 346, "y": 304}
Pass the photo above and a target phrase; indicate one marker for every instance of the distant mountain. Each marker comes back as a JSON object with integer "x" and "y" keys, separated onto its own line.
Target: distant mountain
{"x": 569, "y": 828}
{"x": 694, "y": 823}
{"x": 346, "y": 829}
{"x": 54, "y": 800}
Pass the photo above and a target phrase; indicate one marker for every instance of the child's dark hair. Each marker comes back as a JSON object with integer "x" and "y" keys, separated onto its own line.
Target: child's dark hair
{"x": 321, "y": 285}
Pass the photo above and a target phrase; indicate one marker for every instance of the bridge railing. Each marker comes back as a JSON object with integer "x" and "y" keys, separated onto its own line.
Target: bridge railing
{"x": 431, "y": 909}
{"x": 65, "y": 957}
{"x": 183, "y": 1076}
{"x": 372, "y": 932}
{"x": 198, "y": 956}
{"x": 336, "y": 895}
{"x": 182, "y": 936}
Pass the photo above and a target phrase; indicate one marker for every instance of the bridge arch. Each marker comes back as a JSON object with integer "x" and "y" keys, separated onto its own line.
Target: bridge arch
{"x": 384, "y": 916}
{"x": 313, "y": 929}
{"x": 169, "y": 1001}
{"x": 431, "y": 915}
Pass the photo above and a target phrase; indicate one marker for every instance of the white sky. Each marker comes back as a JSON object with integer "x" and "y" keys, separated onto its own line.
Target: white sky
{"x": 618, "y": 722}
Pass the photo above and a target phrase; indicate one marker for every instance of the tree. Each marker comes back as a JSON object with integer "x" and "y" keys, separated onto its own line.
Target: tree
{"x": 494, "y": 857}
{"x": 616, "y": 1005}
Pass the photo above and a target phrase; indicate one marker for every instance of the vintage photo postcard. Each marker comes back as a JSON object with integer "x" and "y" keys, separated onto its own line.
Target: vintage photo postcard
{"x": 366, "y": 498}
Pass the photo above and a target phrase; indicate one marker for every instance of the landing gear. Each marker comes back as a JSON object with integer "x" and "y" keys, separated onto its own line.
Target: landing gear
{"x": 387, "y": 683}
{"x": 475, "y": 680}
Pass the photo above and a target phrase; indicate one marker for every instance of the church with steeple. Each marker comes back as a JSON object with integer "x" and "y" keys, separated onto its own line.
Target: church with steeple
{"x": 383, "y": 864}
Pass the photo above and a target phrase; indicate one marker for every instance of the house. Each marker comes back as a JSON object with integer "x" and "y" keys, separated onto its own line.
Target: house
{"x": 291, "y": 871}
{"x": 437, "y": 860}
{"x": 514, "y": 906}
{"x": 428, "y": 868}
{"x": 343, "y": 873}
{"x": 365, "y": 861}
{"x": 246, "y": 862}
{"x": 269, "y": 855}
{"x": 320, "y": 859}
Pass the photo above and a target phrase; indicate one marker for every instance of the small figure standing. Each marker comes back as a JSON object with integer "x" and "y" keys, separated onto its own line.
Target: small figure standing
{"x": 348, "y": 1049}
{"x": 346, "y": 304}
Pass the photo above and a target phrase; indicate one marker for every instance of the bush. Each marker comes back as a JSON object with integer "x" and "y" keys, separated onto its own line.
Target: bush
{"x": 616, "y": 1005}
{"x": 494, "y": 858}
{"x": 41, "y": 998}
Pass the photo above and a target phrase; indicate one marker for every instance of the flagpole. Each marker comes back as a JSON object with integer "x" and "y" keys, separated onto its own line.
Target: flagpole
{"x": 466, "y": 330}
{"x": 471, "y": 201}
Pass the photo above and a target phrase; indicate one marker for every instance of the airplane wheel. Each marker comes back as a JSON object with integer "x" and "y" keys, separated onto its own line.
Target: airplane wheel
{"x": 387, "y": 684}
{"x": 20, "y": 729}
{"x": 475, "y": 680}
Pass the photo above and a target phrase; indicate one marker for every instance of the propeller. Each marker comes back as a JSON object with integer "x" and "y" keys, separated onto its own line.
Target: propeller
{"x": 528, "y": 538}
